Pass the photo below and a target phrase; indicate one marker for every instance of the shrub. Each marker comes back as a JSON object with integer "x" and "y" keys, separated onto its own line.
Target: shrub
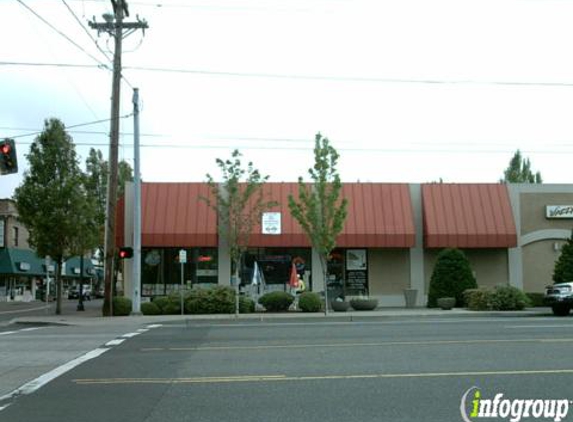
{"x": 276, "y": 301}
{"x": 563, "y": 271}
{"x": 478, "y": 299}
{"x": 121, "y": 306}
{"x": 150, "y": 308}
{"x": 452, "y": 275}
{"x": 508, "y": 298}
{"x": 217, "y": 300}
{"x": 161, "y": 302}
{"x": 246, "y": 305}
{"x": 309, "y": 302}
{"x": 536, "y": 299}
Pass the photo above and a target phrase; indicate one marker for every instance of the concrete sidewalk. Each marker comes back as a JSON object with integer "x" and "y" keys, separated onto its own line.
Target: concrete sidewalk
{"x": 36, "y": 313}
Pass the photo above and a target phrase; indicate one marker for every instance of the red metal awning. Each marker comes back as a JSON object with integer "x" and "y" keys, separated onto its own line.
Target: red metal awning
{"x": 468, "y": 216}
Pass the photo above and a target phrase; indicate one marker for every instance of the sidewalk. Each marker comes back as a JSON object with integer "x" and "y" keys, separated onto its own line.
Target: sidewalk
{"x": 22, "y": 314}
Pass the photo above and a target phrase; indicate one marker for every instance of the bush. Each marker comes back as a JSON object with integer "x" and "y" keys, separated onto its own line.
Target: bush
{"x": 508, "y": 298}
{"x": 217, "y": 300}
{"x": 161, "y": 302}
{"x": 563, "y": 271}
{"x": 536, "y": 299}
{"x": 121, "y": 306}
{"x": 169, "y": 305}
{"x": 150, "y": 308}
{"x": 276, "y": 301}
{"x": 478, "y": 299}
{"x": 246, "y": 305}
{"x": 309, "y": 302}
{"x": 452, "y": 275}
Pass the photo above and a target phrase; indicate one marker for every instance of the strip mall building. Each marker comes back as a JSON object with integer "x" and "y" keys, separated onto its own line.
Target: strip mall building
{"x": 512, "y": 235}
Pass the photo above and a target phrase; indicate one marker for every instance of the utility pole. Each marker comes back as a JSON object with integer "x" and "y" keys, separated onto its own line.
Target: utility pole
{"x": 115, "y": 26}
{"x": 136, "y": 273}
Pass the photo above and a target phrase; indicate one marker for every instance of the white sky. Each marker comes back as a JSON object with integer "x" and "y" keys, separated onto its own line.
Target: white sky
{"x": 406, "y": 90}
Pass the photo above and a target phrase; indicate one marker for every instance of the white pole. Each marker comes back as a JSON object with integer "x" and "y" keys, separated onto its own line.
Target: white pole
{"x": 181, "y": 290}
{"x": 136, "y": 273}
{"x": 47, "y": 260}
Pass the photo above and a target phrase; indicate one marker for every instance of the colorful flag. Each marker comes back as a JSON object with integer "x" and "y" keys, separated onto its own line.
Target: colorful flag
{"x": 293, "y": 282}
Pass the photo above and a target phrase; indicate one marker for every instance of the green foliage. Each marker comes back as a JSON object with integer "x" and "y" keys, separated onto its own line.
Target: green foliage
{"x": 478, "y": 299}
{"x": 536, "y": 299}
{"x": 52, "y": 201}
{"x": 508, "y": 298}
{"x": 168, "y": 305}
{"x": 161, "y": 302}
{"x": 150, "y": 308}
{"x": 452, "y": 275}
{"x": 563, "y": 271}
{"x": 246, "y": 305}
{"x": 216, "y": 300}
{"x": 309, "y": 302}
{"x": 121, "y": 306}
{"x": 500, "y": 298}
{"x": 276, "y": 301}
{"x": 519, "y": 171}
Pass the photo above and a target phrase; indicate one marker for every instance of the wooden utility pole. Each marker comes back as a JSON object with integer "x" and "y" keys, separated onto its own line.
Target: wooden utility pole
{"x": 115, "y": 26}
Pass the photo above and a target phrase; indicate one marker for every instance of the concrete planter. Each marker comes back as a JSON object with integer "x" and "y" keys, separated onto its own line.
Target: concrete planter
{"x": 446, "y": 303}
{"x": 339, "y": 306}
{"x": 364, "y": 304}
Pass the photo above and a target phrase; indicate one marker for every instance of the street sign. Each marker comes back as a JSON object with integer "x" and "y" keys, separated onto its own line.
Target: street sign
{"x": 182, "y": 256}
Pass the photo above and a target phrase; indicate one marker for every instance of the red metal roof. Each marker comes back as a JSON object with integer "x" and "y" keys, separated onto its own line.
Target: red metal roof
{"x": 468, "y": 216}
{"x": 172, "y": 215}
{"x": 379, "y": 215}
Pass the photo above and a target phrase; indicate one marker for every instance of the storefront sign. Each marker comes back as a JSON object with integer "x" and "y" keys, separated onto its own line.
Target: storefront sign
{"x": 356, "y": 259}
{"x": 271, "y": 223}
{"x": 25, "y": 266}
{"x": 559, "y": 211}
{"x": 182, "y": 256}
{"x": 207, "y": 273}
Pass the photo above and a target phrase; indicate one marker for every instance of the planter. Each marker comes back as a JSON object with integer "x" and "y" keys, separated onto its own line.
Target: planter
{"x": 339, "y": 305}
{"x": 364, "y": 304}
{"x": 446, "y": 303}
{"x": 410, "y": 297}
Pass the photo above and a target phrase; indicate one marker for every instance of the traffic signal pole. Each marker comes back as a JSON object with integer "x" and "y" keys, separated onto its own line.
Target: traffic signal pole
{"x": 136, "y": 273}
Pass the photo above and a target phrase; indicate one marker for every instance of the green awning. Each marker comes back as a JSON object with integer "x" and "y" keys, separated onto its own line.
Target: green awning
{"x": 21, "y": 262}
{"x": 72, "y": 267}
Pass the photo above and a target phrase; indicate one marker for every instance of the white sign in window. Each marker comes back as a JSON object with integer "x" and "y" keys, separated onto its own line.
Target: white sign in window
{"x": 559, "y": 211}
{"x": 271, "y": 223}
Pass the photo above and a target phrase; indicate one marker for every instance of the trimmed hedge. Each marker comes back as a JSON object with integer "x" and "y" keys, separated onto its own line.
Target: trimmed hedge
{"x": 150, "y": 308}
{"x": 276, "y": 301}
{"x": 217, "y": 300}
{"x": 452, "y": 276}
{"x": 536, "y": 299}
{"x": 478, "y": 299}
{"x": 121, "y": 306}
{"x": 309, "y": 302}
{"x": 500, "y": 298}
{"x": 246, "y": 305}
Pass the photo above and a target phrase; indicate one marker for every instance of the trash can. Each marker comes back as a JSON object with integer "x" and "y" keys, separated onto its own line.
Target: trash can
{"x": 410, "y": 297}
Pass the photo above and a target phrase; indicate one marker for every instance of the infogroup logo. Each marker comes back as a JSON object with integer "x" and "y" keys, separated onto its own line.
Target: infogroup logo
{"x": 474, "y": 407}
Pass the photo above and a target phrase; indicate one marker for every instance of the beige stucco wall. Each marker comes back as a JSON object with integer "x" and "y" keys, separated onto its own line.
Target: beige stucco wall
{"x": 532, "y": 207}
{"x": 388, "y": 271}
{"x": 538, "y": 263}
{"x": 490, "y": 266}
{"x": 9, "y": 214}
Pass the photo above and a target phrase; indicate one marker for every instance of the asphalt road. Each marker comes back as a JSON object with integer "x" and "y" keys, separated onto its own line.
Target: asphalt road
{"x": 385, "y": 370}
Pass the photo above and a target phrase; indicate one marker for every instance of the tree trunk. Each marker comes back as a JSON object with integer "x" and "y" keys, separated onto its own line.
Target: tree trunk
{"x": 324, "y": 265}
{"x": 59, "y": 285}
{"x": 237, "y": 282}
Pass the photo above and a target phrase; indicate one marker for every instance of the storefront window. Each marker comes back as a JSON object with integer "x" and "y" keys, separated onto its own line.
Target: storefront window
{"x": 348, "y": 272}
{"x": 161, "y": 269}
{"x": 276, "y": 264}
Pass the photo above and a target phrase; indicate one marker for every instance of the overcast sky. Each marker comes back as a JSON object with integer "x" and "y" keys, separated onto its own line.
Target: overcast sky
{"x": 406, "y": 90}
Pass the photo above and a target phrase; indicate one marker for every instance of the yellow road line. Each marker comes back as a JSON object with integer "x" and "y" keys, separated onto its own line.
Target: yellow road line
{"x": 342, "y": 345}
{"x": 274, "y": 378}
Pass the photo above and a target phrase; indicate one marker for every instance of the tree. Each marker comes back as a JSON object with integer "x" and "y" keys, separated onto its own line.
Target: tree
{"x": 519, "y": 171}
{"x": 452, "y": 276}
{"x": 52, "y": 201}
{"x": 320, "y": 210}
{"x": 239, "y": 206}
{"x": 97, "y": 171}
{"x": 563, "y": 272}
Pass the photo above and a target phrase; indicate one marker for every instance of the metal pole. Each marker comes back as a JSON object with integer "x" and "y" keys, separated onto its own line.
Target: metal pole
{"x": 136, "y": 273}
{"x": 181, "y": 290}
{"x": 47, "y": 259}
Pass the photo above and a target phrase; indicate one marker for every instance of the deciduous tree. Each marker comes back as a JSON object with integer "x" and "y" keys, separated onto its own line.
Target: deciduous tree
{"x": 519, "y": 171}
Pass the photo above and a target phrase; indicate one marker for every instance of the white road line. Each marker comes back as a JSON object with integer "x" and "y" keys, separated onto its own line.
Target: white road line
{"x": 23, "y": 330}
{"x": 5, "y": 333}
{"x": 4, "y": 407}
{"x": 42, "y": 380}
{"x": 143, "y": 330}
{"x": 130, "y": 335}
{"x": 115, "y": 342}
{"x": 538, "y": 326}
{"x": 155, "y": 326}
{"x": 31, "y": 329}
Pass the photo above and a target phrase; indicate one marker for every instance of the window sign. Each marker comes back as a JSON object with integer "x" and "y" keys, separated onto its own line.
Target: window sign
{"x": 356, "y": 259}
{"x": 182, "y": 256}
{"x": 271, "y": 223}
{"x": 25, "y": 266}
{"x": 559, "y": 211}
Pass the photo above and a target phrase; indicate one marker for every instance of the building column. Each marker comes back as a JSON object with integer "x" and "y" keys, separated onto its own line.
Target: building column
{"x": 127, "y": 269}
{"x": 224, "y": 260}
{"x": 417, "y": 275}
{"x": 317, "y": 276}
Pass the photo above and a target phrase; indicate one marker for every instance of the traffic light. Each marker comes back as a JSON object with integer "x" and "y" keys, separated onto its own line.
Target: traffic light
{"x": 8, "y": 159}
{"x": 125, "y": 252}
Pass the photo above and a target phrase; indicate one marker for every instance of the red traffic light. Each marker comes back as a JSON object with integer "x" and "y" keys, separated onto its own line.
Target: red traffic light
{"x": 125, "y": 252}
{"x": 8, "y": 158}
{"x": 5, "y": 148}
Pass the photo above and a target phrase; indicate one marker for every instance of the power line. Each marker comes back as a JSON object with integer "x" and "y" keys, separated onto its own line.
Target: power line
{"x": 62, "y": 34}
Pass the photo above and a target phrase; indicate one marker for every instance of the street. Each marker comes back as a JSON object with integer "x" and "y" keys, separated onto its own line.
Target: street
{"x": 296, "y": 370}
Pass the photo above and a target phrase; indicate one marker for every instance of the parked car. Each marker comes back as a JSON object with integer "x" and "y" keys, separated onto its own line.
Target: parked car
{"x": 560, "y": 298}
{"x": 74, "y": 293}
